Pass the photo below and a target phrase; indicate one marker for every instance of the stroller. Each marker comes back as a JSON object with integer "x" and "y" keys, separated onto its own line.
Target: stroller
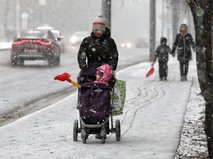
{"x": 95, "y": 110}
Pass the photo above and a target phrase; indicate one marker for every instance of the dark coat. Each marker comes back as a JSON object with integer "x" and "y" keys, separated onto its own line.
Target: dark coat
{"x": 183, "y": 45}
{"x": 162, "y": 53}
{"x": 98, "y": 51}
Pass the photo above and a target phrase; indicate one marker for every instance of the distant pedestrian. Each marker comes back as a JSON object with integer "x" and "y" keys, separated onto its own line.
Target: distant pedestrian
{"x": 183, "y": 42}
{"x": 162, "y": 54}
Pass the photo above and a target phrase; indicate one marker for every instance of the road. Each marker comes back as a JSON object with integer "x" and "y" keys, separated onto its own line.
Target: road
{"x": 31, "y": 87}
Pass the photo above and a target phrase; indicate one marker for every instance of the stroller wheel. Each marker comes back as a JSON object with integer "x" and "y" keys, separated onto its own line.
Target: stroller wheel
{"x": 75, "y": 130}
{"x": 118, "y": 130}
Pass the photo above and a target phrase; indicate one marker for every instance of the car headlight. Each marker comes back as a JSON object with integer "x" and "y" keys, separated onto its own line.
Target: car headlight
{"x": 73, "y": 39}
{"x": 123, "y": 45}
{"x": 128, "y": 45}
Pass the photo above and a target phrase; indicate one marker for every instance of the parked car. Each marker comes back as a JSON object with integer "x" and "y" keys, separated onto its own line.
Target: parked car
{"x": 77, "y": 38}
{"x": 57, "y": 34}
{"x": 35, "y": 45}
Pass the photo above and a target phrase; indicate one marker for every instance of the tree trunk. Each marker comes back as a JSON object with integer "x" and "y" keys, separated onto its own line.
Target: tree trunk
{"x": 204, "y": 38}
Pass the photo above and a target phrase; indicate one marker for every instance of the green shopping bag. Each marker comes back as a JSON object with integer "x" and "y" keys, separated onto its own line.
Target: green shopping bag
{"x": 118, "y": 97}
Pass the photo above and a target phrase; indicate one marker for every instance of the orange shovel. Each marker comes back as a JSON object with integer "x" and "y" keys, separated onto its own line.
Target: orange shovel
{"x": 66, "y": 77}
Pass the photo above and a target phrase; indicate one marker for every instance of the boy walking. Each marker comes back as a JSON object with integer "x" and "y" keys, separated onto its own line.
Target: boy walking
{"x": 161, "y": 54}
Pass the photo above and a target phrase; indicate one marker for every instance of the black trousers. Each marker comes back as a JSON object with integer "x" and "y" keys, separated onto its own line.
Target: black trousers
{"x": 163, "y": 70}
{"x": 184, "y": 67}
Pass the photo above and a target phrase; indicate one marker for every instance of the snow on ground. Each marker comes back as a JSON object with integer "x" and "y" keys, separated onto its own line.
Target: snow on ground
{"x": 5, "y": 45}
{"x": 150, "y": 126}
{"x": 193, "y": 142}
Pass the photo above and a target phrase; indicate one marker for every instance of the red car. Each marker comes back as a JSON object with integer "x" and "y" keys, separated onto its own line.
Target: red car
{"x": 35, "y": 45}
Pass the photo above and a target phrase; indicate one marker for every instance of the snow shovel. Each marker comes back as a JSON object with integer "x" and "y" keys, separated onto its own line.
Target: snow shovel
{"x": 151, "y": 71}
{"x": 66, "y": 77}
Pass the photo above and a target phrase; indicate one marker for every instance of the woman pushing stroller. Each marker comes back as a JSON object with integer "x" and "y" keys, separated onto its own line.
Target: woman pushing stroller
{"x": 97, "y": 59}
{"x": 97, "y": 49}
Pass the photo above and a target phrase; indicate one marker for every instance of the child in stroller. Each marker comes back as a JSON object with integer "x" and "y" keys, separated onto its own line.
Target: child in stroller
{"x": 95, "y": 106}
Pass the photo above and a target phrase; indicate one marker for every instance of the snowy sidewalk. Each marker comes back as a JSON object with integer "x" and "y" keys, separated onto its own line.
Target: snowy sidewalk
{"x": 193, "y": 141}
{"x": 151, "y": 124}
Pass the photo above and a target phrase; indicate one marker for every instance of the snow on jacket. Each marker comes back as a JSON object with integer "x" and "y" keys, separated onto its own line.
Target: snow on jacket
{"x": 183, "y": 45}
{"x": 98, "y": 51}
{"x": 162, "y": 52}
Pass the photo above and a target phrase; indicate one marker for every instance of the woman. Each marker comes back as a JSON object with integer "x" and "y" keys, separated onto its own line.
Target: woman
{"x": 183, "y": 42}
{"x": 97, "y": 49}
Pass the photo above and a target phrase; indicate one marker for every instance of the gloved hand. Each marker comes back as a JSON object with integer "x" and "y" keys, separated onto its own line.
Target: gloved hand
{"x": 172, "y": 53}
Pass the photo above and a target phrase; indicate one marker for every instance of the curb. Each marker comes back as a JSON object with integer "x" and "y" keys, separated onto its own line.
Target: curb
{"x": 193, "y": 140}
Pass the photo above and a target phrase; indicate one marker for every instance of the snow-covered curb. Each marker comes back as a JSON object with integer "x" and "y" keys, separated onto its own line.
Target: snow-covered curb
{"x": 5, "y": 45}
{"x": 193, "y": 141}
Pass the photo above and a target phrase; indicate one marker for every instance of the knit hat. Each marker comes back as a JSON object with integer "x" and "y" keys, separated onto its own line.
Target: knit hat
{"x": 99, "y": 23}
{"x": 163, "y": 39}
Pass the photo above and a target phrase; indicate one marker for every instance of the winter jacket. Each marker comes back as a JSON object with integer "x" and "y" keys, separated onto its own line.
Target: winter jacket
{"x": 98, "y": 51}
{"x": 183, "y": 45}
{"x": 162, "y": 52}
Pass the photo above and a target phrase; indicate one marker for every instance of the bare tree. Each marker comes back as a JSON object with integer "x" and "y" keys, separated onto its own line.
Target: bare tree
{"x": 202, "y": 11}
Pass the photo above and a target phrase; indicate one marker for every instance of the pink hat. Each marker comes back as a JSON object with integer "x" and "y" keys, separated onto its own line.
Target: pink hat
{"x": 105, "y": 73}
